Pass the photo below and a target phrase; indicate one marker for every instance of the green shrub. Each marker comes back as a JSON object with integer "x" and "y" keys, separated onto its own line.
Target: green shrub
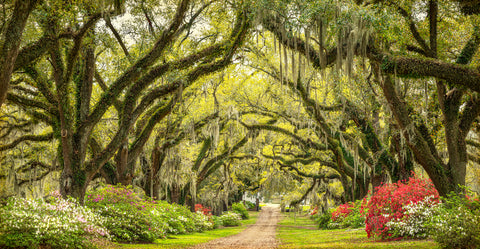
{"x": 323, "y": 219}
{"x": 231, "y": 219}
{"x": 456, "y": 224}
{"x": 250, "y": 205}
{"x": 217, "y": 222}
{"x": 240, "y": 209}
{"x": 55, "y": 223}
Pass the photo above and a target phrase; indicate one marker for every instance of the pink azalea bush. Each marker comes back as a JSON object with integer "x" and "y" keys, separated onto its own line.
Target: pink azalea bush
{"x": 131, "y": 217}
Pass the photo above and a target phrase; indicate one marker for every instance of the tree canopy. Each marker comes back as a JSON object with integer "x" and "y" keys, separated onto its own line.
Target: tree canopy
{"x": 195, "y": 100}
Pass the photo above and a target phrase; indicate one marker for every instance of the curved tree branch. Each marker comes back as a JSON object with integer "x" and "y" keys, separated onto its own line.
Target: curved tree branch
{"x": 33, "y": 138}
{"x": 11, "y": 42}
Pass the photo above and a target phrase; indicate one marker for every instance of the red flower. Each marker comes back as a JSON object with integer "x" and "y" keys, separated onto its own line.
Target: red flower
{"x": 342, "y": 211}
{"x": 388, "y": 201}
{"x": 204, "y": 210}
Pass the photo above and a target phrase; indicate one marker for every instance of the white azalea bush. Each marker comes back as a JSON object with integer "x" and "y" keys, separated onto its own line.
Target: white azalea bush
{"x": 52, "y": 223}
{"x": 231, "y": 219}
{"x": 202, "y": 222}
{"x": 416, "y": 217}
{"x": 453, "y": 223}
{"x": 456, "y": 223}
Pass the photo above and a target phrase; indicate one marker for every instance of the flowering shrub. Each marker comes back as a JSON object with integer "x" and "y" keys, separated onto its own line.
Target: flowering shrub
{"x": 231, "y": 219}
{"x": 204, "y": 210}
{"x": 127, "y": 223}
{"x": 456, "y": 223}
{"x": 414, "y": 222}
{"x": 347, "y": 215}
{"x": 202, "y": 222}
{"x": 129, "y": 217}
{"x": 180, "y": 220}
{"x": 342, "y": 211}
{"x": 111, "y": 195}
{"x": 240, "y": 209}
{"x": 389, "y": 200}
{"x": 55, "y": 223}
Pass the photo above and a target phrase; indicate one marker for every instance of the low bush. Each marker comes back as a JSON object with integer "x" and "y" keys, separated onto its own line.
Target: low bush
{"x": 323, "y": 219}
{"x": 51, "y": 223}
{"x": 231, "y": 219}
{"x": 346, "y": 215}
{"x": 250, "y": 205}
{"x": 415, "y": 218}
{"x": 388, "y": 202}
{"x": 313, "y": 212}
{"x": 240, "y": 209}
{"x": 204, "y": 210}
{"x": 342, "y": 211}
{"x": 456, "y": 223}
{"x": 130, "y": 224}
{"x": 217, "y": 222}
{"x": 131, "y": 218}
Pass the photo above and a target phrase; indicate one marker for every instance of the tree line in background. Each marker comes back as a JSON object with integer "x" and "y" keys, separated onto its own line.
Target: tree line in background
{"x": 199, "y": 101}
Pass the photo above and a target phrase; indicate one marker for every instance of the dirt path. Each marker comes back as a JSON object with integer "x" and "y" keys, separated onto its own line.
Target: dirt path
{"x": 260, "y": 235}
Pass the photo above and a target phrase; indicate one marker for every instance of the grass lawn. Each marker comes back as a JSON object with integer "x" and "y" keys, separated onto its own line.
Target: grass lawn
{"x": 187, "y": 240}
{"x": 302, "y": 233}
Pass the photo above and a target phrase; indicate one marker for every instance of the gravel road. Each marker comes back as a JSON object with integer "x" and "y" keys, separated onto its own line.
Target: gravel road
{"x": 261, "y": 235}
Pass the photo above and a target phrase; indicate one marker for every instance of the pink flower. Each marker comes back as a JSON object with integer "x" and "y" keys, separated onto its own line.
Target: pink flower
{"x": 81, "y": 219}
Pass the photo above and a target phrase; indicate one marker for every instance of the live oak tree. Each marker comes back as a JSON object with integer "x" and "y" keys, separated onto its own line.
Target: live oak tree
{"x": 452, "y": 96}
{"x": 66, "y": 78}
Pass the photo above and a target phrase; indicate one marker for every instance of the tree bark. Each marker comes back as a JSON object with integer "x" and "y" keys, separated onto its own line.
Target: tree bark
{"x": 12, "y": 39}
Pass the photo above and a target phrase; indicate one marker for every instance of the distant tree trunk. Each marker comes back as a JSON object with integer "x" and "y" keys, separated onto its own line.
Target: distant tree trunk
{"x": 124, "y": 170}
{"x": 151, "y": 184}
{"x": 405, "y": 159}
{"x": 175, "y": 193}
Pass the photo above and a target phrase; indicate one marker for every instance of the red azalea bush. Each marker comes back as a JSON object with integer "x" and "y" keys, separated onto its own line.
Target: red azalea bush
{"x": 204, "y": 210}
{"x": 389, "y": 200}
{"x": 342, "y": 211}
{"x": 472, "y": 202}
{"x": 347, "y": 215}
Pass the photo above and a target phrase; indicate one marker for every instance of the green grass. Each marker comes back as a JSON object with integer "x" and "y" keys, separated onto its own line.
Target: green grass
{"x": 299, "y": 233}
{"x": 187, "y": 240}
